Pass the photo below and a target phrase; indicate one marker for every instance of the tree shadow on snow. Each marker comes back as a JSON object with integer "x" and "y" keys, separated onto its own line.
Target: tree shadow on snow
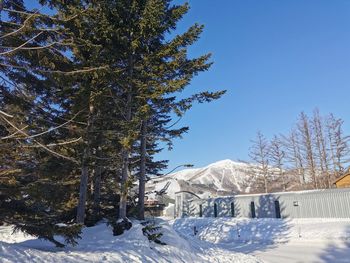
{"x": 260, "y": 232}
{"x": 98, "y": 239}
{"x": 337, "y": 251}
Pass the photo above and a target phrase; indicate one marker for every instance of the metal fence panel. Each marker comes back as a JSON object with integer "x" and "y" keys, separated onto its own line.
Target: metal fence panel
{"x": 330, "y": 203}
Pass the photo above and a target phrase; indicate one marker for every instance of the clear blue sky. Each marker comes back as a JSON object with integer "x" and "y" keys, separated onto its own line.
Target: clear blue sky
{"x": 275, "y": 59}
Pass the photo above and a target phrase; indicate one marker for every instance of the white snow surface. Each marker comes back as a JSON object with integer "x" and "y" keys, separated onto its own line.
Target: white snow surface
{"x": 225, "y": 175}
{"x": 274, "y": 240}
{"x": 99, "y": 245}
{"x": 217, "y": 240}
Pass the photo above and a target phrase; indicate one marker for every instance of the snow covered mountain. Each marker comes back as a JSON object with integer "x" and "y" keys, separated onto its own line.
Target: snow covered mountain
{"x": 220, "y": 178}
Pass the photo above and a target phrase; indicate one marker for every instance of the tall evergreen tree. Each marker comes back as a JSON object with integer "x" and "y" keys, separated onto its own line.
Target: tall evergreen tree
{"x": 33, "y": 198}
{"x": 163, "y": 70}
{"x": 108, "y": 76}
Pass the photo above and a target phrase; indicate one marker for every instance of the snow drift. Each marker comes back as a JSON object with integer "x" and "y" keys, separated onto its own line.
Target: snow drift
{"x": 99, "y": 245}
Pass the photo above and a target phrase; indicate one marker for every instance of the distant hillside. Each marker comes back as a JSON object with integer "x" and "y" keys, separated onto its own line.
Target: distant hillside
{"x": 219, "y": 178}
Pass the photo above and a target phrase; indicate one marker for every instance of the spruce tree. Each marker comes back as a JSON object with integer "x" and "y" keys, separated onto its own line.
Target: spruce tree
{"x": 165, "y": 70}
{"x": 113, "y": 86}
{"x": 33, "y": 195}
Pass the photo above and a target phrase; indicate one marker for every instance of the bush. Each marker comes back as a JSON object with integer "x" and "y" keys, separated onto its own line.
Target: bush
{"x": 152, "y": 232}
{"x": 120, "y": 226}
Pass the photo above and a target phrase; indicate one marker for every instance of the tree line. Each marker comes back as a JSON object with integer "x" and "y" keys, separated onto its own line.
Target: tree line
{"x": 90, "y": 92}
{"x": 314, "y": 153}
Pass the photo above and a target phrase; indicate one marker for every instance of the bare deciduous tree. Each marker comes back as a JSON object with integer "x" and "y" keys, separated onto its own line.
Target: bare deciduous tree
{"x": 321, "y": 149}
{"x": 307, "y": 147}
{"x": 339, "y": 149}
{"x": 277, "y": 158}
{"x": 259, "y": 155}
{"x": 312, "y": 155}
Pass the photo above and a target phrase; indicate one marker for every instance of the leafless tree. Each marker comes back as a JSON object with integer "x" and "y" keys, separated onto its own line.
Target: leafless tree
{"x": 314, "y": 153}
{"x": 259, "y": 155}
{"x": 277, "y": 160}
{"x": 308, "y": 150}
{"x": 294, "y": 159}
{"x": 321, "y": 149}
{"x": 339, "y": 149}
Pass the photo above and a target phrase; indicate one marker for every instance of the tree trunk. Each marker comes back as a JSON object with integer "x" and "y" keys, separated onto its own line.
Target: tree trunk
{"x": 97, "y": 191}
{"x": 126, "y": 154}
{"x": 142, "y": 178}
{"x": 84, "y": 169}
{"x": 295, "y": 156}
{"x": 265, "y": 184}
{"x": 283, "y": 179}
{"x": 321, "y": 147}
{"x": 124, "y": 186}
{"x": 82, "y": 193}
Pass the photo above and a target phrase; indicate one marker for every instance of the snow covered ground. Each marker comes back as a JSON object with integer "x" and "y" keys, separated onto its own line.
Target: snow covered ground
{"x": 217, "y": 240}
{"x": 99, "y": 245}
{"x": 274, "y": 240}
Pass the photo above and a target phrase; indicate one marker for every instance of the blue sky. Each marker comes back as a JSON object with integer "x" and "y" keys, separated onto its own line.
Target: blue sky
{"x": 275, "y": 59}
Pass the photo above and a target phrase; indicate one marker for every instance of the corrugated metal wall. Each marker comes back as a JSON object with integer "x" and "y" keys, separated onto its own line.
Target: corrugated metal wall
{"x": 330, "y": 203}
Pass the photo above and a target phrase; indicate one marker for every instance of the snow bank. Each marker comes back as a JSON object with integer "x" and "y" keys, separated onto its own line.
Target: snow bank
{"x": 228, "y": 230}
{"x": 99, "y": 245}
{"x": 274, "y": 240}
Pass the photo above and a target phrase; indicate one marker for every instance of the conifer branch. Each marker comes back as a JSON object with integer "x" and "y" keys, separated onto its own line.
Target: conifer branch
{"x": 6, "y": 114}
{"x": 72, "y": 72}
{"x": 39, "y": 47}
{"x": 176, "y": 122}
{"x": 45, "y": 15}
{"x": 40, "y": 144}
{"x": 20, "y": 46}
{"x": 23, "y": 26}
{"x": 59, "y": 143}
{"x": 13, "y": 134}
{"x": 42, "y": 133}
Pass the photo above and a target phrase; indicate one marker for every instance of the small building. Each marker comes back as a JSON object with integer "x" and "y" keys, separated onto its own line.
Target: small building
{"x": 343, "y": 181}
{"x": 153, "y": 208}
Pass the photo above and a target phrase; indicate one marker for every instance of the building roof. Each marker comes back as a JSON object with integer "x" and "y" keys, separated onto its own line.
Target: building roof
{"x": 341, "y": 177}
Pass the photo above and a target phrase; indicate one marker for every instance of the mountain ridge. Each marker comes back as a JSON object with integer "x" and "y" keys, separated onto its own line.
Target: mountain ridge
{"x": 218, "y": 178}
